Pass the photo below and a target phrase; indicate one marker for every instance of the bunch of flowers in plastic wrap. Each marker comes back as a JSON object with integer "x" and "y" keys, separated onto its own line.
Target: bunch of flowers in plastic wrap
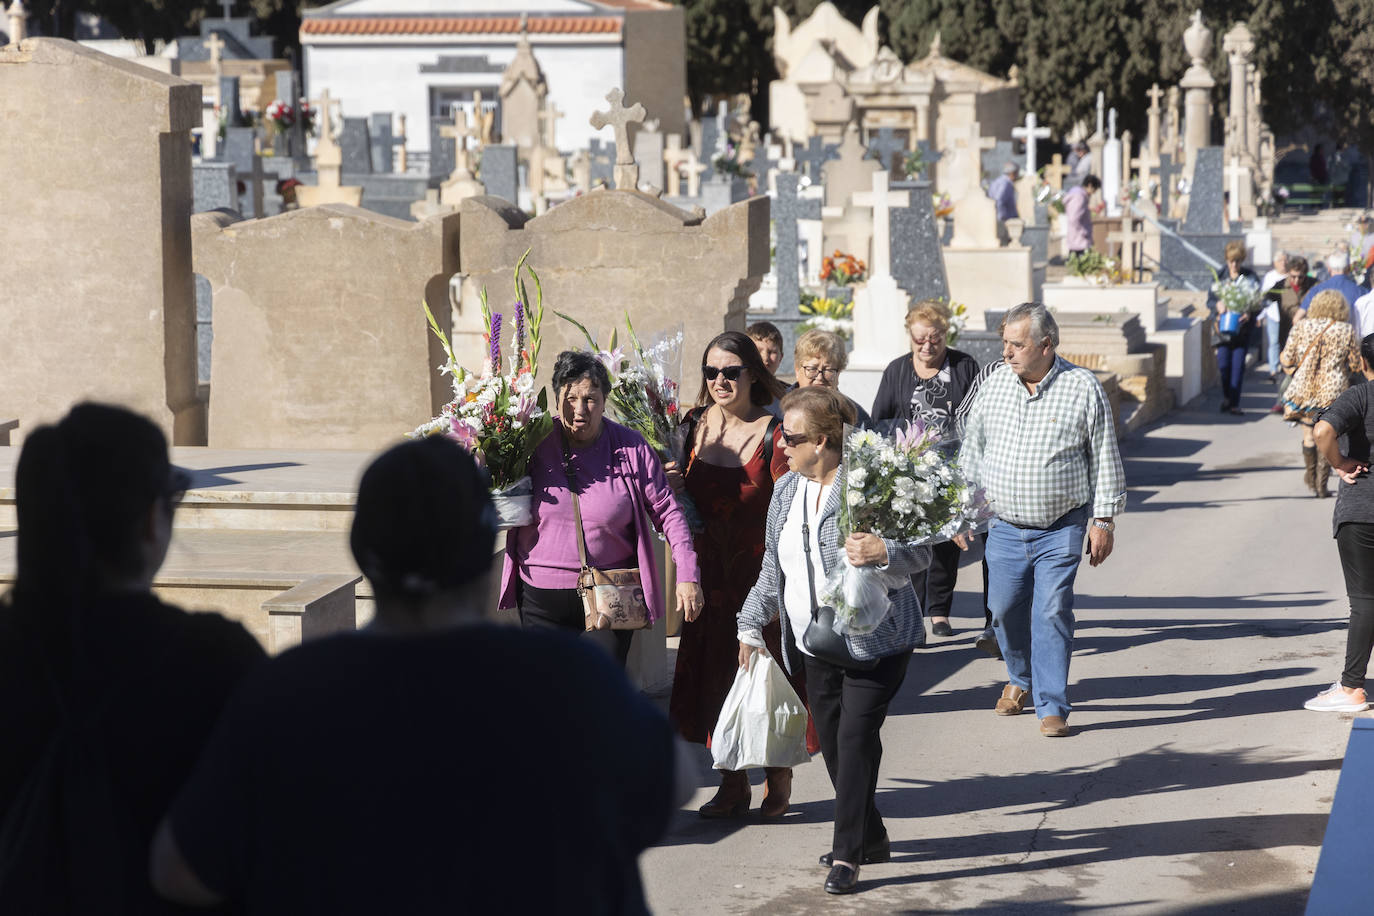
{"x": 498, "y": 416}
{"x": 900, "y": 488}
{"x": 1237, "y": 294}
{"x": 644, "y": 393}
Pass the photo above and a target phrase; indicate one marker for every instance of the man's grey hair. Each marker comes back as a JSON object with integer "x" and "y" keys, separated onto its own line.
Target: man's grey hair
{"x": 1338, "y": 263}
{"x": 1042, "y": 323}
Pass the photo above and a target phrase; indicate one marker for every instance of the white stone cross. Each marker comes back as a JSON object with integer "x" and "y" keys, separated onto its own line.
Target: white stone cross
{"x": 459, "y": 132}
{"x": 881, "y": 199}
{"x": 215, "y": 44}
{"x": 19, "y": 22}
{"x": 1155, "y": 95}
{"x": 1236, "y": 173}
{"x": 549, "y": 118}
{"x": 693, "y": 167}
{"x": 1111, "y": 124}
{"x": 673, "y": 156}
{"x": 1030, "y": 134}
{"x": 619, "y": 117}
{"x": 965, "y": 166}
{"x": 1101, "y": 101}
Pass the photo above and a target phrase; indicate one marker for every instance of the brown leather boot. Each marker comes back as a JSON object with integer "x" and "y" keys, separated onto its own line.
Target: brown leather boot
{"x": 1323, "y": 475}
{"x": 733, "y": 797}
{"x": 777, "y": 792}
{"x": 1309, "y": 462}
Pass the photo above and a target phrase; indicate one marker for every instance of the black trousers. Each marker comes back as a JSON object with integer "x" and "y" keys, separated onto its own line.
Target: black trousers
{"x": 935, "y": 584}
{"x": 849, "y": 708}
{"x": 1355, "y": 541}
{"x": 561, "y": 609}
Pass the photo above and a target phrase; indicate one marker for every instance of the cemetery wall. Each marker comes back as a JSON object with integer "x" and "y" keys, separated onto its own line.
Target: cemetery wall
{"x": 609, "y": 252}
{"x": 98, "y": 297}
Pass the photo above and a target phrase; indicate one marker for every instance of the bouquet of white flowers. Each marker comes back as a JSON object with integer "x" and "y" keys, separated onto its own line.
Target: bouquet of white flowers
{"x": 1235, "y": 297}
{"x": 902, "y": 489}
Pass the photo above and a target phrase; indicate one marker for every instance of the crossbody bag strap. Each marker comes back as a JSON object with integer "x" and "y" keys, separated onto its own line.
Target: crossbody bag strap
{"x": 806, "y": 550}
{"x": 577, "y": 507}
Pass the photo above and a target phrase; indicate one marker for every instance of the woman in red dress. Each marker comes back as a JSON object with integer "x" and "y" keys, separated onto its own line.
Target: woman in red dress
{"x": 733, "y": 456}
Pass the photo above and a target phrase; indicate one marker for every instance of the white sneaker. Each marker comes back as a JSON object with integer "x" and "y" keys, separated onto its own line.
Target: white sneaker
{"x": 1336, "y": 699}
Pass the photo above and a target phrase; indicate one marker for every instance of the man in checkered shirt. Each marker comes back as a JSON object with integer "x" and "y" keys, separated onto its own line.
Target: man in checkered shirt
{"x": 1041, "y": 441}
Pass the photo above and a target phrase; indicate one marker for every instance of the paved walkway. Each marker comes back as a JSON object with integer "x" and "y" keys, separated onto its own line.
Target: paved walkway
{"x": 1194, "y": 782}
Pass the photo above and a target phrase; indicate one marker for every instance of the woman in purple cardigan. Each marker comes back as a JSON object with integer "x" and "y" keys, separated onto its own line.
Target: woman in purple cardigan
{"x": 624, "y": 497}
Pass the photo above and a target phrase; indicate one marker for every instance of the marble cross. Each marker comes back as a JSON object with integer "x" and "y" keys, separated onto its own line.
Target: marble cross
{"x": 881, "y": 200}
{"x": 548, "y": 120}
{"x": 227, "y": 8}
{"x": 1031, "y": 133}
{"x": 693, "y": 167}
{"x": 484, "y": 120}
{"x": 1111, "y": 124}
{"x": 1101, "y": 102}
{"x": 459, "y": 132}
{"x": 673, "y": 157}
{"x": 619, "y": 118}
{"x": 787, "y": 208}
{"x": 814, "y": 155}
{"x": 215, "y": 45}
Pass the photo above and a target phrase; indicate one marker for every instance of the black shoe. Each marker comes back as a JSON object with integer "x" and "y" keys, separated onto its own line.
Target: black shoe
{"x": 988, "y": 643}
{"x": 1225, "y": 407}
{"x": 876, "y": 854}
{"x": 941, "y": 628}
{"x": 841, "y": 880}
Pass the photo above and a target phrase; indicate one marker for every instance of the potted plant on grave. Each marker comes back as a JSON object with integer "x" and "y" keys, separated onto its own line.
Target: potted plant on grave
{"x": 497, "y": 416}
{"x": 841, "y": 272}
{"x": 915, "y": 164}
{"x": 1095, "y": 268}
{"x": 826, "y": 314}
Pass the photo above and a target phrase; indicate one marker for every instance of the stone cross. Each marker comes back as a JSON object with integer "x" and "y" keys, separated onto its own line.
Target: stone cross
{"x": 1030, "y": 133}
{"x": 1126, "y": 142}
{"x": 787, "y": 208}
{"x": 619, "y": 117}
{"x": 1132, "y": 243}
{"x": 1166, "y": 181}
{"x": 693, "y": 167}
{"x": 1056, "y": 172}
{"x": 815, "y": 154}
{"x": 1111, "y": 124}
{"x": 328, "y": 154}
{"x": 215, "y": 44}
{"x": 1235, "y": 173}
{"x": 966, "y": 168}
{"x": 226, "y": 8}
{"x": 1101, "y": 102}
{"x": 673, "y": 156}
{"x": 885, "y": 146}
{"x": 1152, "y": 134}
{"x": 402, "y": 162}
{"x": 459, "y": 132}
{"x": 19, "y": 22}
{"x": 485, "y": 120}
{"x": 548, "y": 123}
{"x": 881, "y": 200}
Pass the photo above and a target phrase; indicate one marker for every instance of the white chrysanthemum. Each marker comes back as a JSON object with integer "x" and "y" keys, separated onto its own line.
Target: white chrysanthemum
{"x": 524, "y": 383}
{"x": 855, "y": 497}
{"x": 858, "y": 477}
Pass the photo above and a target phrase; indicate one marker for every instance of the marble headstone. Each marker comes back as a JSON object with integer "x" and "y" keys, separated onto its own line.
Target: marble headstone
{"x": 648, "y": 146}
{"x": 289, "y": 91}
{"x": 229, "y": 102}
{"x": 787, "y": 210}
{"x": 889, "y": 149}
{"x": 1206, "y": 200}
{"x": 710, "y": 141}
{"x": 814, "y": 155}
{"x": 204, "y": 332}
{"x": 214, "y": 186}
{"x": 383, "y": 142}
{"x": 500, "y": 171}
{"x": 918, "y": 263}
{"x": 355, "y": 147}
{"x": 441, "y": 149}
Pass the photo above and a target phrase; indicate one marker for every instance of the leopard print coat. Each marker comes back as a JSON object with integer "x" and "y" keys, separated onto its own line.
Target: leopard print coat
{"x": 1321, "y": 354}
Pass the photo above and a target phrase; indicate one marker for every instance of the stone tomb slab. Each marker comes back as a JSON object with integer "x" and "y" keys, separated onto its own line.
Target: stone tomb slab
{"x": 500, "y": 171}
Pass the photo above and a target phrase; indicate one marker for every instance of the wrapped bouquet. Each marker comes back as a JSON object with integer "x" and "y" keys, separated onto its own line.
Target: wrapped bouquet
{"x": 495, "y": 415}
{"x": 901, "y": 488}
{"x": 1235, "y": 297}
{"x": 644, "y": 393}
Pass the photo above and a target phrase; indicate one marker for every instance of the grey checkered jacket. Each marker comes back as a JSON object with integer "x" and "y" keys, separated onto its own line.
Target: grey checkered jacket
{"x": 902, "y": 629}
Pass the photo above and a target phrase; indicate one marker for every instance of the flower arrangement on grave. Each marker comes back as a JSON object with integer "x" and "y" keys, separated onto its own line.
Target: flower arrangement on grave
{"x": 1095, "y": 266}
{"x": 1048, "y": 194}
{"x": 496, "y": 415}
{"x": 279, "y": 116}
{"x": 644, "y": 393}
{"x": 728, "y": 162}
{"x": 827, "y": 314}
{"x": 902, "y": 488}
{"x": 915, "y": 163}
{"x": 1235, "y": 297}
{"x": 306, "y": 112}
{"x": 944, "y": 207}
{"x": 841, "y": 269}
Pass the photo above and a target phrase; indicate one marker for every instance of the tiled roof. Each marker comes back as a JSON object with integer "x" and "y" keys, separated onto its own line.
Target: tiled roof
{"x": 467, "y": 25}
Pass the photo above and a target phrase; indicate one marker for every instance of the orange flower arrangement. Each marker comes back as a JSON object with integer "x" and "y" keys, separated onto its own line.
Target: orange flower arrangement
{"x": 842, "y": 269}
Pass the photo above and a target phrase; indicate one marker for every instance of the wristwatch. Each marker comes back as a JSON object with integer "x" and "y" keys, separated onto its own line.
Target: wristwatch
{"x": 1105, "y": 526}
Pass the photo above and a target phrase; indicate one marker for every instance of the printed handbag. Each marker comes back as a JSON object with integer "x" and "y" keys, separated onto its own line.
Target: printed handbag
{"x": 819, "y": 638}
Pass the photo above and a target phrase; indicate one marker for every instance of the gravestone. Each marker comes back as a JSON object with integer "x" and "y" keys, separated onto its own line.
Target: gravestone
{"x": 204, "y": 328}
{"x": 814, "y": 156}
{"x": 722, "y": 191}
{"x": 712, "y": 145}
{"x": 850, "y": 172}
{"x": 761, "y": 164}
{"x": 355, "y": 146}
{"x": 441, "y": 150}
{"x": 787, "y": 210}
{"x": 214, "y": 186}
{"x": 1206, "y": 193}
{"x": 918, "y": 263}
{"x": 229, "y": 107}
{"x": 120, "y": 151}
{"x": 1002, "y": 152}
{"x": 383, "y": 142}
{"x": 289, "y": 92}
{"x": 1167, "y": 176}
{"x": 887, "y": 148}
{"x": 240, "y": 149}
{"x": 648, "y": 148}
{"x": 500, "y": 171}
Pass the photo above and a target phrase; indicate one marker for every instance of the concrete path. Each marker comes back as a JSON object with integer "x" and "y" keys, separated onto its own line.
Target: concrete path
{"x": 1194, "y": 781}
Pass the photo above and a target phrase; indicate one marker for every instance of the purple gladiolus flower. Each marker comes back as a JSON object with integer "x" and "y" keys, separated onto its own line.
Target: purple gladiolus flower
{"x": 519, "y": 332}
{"x": 496, "y": 342}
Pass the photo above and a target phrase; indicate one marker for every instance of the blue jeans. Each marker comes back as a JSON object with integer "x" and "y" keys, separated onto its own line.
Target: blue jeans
{"x": 1271, "y": 343}
{"x": 1030, "y": 592}
{"x": 1231, "y": 368}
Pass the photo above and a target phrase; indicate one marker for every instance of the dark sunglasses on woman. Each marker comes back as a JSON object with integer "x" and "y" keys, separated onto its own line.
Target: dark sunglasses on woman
{"x": 731, "y": 373}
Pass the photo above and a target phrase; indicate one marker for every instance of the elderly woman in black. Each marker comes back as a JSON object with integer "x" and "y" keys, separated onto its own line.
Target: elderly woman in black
{"x": 927, "y": 386}
{"x": 849, "y": 700}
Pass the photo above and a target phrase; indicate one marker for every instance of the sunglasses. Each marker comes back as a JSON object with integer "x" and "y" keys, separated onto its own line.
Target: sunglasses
{"x": 731, "y": 373}
{"x": 792, "y": 440}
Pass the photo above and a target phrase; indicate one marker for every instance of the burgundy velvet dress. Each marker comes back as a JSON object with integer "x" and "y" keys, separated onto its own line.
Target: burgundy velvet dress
{"x": 733, "y": 502}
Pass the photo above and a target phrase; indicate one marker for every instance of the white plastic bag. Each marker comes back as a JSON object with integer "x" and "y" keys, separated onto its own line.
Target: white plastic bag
{"x": 763, "y": 722}
{"x": 859, "y": 596}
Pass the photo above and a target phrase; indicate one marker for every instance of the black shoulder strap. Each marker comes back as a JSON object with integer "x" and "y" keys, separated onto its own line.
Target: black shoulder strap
{"x": 773, "y": 424}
